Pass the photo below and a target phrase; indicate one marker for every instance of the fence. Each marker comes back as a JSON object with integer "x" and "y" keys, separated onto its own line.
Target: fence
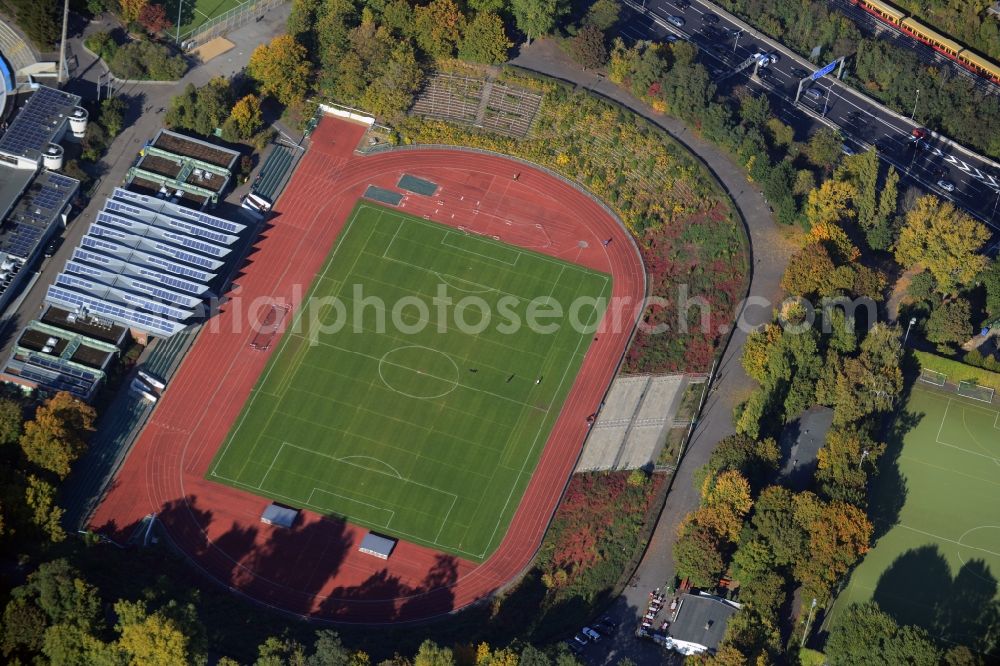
{"x": 218, "y": 26}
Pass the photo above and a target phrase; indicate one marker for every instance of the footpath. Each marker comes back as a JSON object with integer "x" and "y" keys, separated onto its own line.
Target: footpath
{"x": 770, "y": 250}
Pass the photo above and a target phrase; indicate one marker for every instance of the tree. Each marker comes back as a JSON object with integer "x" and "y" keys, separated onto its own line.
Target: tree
{"x": 246, "y": 117}
{"x": 438, "y": 27}
{"x": 587, "y": 47}
{"x": 281, "y": 652}
{"x": 831, "y": 202}
{"x": 131, "y": 10}
{"x": 881, "y": 234}
{"x": 869, "y": 383}
{"x": 40, "y": 497}
{"x": 153, "y": 18}
{"x": 56, "y": 437}
{"x": 150, "y": 638}
{"x": 329, "y": 650}
{"x": 603, "y": 14}
{"x": 754, "y": 459}
{"x": 838, "y": 536}
{"x": 845, "y": 463}
{"x": 774, "y": 522}
{"x": 391, "y": 93}
{"x": 11, "y": 422}
{"x": 431, "y": 654}
{"x": 811, "y": 273}
{"x": 991, "y": 281}
{"x": 485, "y": 40}
{"x": 865, "y": 634}
{"x": 281, "y": 69}
{"x": 950, "y": 324}
{"x": 756, "y": 349}
{"x": 535, "y": 17}
{"x": 697, "y": 555}
{"x": 943, "y": 240}
{"x": 57, "y": 590}
{"x": 725, "y": 503}
{"x": 113, "y": 115}
{"x": 823, "y": 148}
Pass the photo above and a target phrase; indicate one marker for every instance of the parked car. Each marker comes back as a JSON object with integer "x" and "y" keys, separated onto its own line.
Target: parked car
{"x": 946, "y": 185}
{"x": 675, "y": 21}
{"x": 605, "y": 628}
{"x": 575, "y": 647}
{"x": 581, "y": 640}
{"x": 847, "y": 150}
{"x": 591, "y": 634}
{"x": 671, "y": 38}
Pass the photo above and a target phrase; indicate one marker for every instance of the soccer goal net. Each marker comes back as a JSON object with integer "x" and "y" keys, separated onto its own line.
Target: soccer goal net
{"x": 975, "y": 391}
{"x": 933, "y": 377}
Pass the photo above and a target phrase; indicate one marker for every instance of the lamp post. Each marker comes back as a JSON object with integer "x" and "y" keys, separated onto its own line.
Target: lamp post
{"x": 812, "y": 609}
{"x": 737, "y": 40}
{"x": 180, "y": 7}
{"x": 917, "y": 99}
{"x": 864, "y": 454}
{"x": 913, "y": 320}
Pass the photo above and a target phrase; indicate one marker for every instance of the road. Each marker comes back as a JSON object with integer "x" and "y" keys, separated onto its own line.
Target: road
{"x": 724, "y": 42}
{"x": 770, "y": 250}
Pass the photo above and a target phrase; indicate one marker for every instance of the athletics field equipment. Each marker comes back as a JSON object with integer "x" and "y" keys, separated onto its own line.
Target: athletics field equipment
{"x": 314, "y": 568}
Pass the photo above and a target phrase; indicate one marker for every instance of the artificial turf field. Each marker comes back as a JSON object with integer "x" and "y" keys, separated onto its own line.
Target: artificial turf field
{"x": 938, "y": 564}
{"x": 430, "y": 435}
{"x": 195, "y": 13}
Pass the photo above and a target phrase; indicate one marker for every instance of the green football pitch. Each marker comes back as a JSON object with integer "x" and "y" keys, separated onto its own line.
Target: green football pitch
{"x": 196, "y": 13}
{"x": 426, "y": 427}
{"x": 938, "y": 564}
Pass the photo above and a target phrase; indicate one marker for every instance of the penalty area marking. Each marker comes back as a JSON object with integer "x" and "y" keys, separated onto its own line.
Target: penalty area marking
{"x": 393, "y": 475}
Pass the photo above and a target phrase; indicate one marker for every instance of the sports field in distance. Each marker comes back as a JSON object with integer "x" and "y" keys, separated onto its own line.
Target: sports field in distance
{"x": 938, "y": 565}
{"x": 425, "y": 428}
{"x": 195, "y": 13}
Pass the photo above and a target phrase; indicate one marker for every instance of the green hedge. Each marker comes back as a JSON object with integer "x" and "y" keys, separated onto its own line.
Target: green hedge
{"x": 957, "y": 371}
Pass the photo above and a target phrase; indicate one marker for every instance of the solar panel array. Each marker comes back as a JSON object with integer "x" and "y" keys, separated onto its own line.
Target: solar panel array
{"x": 38, "y": 121}
{"x": 35, "y": 213}
{"x": 144, "y": 263}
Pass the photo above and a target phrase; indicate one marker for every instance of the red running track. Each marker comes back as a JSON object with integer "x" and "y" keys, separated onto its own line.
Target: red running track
{"x": 314, "y": 568}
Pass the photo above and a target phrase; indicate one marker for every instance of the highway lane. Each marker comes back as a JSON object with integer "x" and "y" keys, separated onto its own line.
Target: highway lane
{"x": 724, "y": 42}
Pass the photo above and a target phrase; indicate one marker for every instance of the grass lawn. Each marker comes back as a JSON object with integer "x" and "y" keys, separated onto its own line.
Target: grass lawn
{"x": 195, "y": 13}
{"x": 425, "y": 428}
{"x": 937, "y": 508}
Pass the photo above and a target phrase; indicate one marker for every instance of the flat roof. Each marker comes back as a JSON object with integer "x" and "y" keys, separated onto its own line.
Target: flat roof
{"x": 38, "y": 208}
{"x": 13, "y": 182}
{"x": 180, "y": 144}
{"x": 38, "y": 122}
{"x": 377, "y": 545}
{"x": 280, "y": 515}
{"x": 103, "y": 330}
{"x": 701, "y": 619}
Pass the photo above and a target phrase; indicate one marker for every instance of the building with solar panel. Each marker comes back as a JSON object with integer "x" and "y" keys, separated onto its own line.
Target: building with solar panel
{"x": 34, "y": 200}
{"x": 148, "y": 264}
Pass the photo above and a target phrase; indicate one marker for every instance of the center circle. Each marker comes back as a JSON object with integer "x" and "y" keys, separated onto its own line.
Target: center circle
{"x": 418, "y": 372}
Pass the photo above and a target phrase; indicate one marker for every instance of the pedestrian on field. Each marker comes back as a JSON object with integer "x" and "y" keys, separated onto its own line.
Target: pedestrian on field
{"x": 608, "y": 242}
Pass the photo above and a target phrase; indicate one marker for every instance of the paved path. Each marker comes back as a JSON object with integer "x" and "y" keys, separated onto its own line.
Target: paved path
{"x": 770, "y": 251}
